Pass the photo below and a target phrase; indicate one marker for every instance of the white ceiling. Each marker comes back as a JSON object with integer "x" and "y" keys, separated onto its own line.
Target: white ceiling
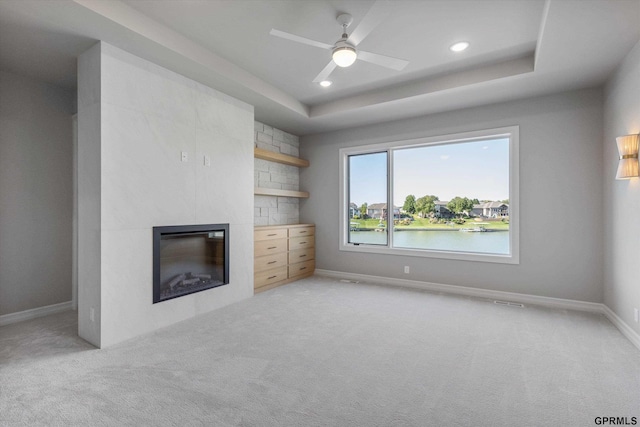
{"x": 519, "y": 48}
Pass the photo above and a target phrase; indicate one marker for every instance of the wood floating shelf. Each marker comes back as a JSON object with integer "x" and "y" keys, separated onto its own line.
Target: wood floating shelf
{"x": 259, "y": 153}
{"x": 282, "y": 193}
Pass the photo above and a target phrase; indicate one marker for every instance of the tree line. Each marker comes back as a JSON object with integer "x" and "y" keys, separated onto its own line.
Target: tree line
{"x": 427, "y": 204}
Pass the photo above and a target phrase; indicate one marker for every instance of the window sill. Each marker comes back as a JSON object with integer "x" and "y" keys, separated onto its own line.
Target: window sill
{"x": 424, "y": 253}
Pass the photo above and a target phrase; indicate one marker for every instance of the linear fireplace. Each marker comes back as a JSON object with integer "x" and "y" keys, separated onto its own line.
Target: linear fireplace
{"x": 188, "y": 259}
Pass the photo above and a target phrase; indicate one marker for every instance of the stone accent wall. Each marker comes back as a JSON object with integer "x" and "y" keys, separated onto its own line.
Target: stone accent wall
{"x": 271, "y": 210}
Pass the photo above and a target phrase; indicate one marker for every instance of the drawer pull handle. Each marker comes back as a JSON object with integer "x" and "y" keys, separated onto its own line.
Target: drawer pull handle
{"x": 302, "y": 256}
{"x": 272, "y": 262}
{"x": 272, "y": 234}
{"x": 302, "y": 243}
{"x": 272, "y": 247}
{"x": 302, "y": 268}
{"x": 271, "y": 277}
{"x": 303, "y": 231}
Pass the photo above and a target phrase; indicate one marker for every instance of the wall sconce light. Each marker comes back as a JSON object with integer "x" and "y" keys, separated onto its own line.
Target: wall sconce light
{"x": 628, "y": 150}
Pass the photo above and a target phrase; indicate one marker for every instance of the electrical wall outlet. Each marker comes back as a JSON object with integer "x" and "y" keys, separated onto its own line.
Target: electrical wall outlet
{"x": 407, "y": 270}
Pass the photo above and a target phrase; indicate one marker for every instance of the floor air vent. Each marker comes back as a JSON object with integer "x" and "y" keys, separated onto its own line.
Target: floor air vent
{"x": 511, "y": 304}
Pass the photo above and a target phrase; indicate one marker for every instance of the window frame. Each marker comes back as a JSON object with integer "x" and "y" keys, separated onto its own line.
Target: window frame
{"x": 510, "y": 132}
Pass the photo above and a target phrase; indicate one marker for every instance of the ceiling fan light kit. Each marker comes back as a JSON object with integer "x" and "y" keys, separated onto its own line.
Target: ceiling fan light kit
{"x": 344, "y": 55}
{"x": 343, "y": 52}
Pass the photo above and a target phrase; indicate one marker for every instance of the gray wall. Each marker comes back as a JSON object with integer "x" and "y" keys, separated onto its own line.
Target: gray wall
{"x": 560, "y": 197}
{"x": 36, "y": 193}
{"x": 622, "y": 198}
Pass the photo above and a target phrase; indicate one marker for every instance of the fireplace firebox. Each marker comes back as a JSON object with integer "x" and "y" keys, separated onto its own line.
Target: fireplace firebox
{"x": 189, "y": 259}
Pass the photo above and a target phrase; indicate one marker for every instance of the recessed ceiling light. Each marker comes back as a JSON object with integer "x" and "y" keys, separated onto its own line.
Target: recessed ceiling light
{"x": 459, "y": 47}
{"x": 325, "y": 83}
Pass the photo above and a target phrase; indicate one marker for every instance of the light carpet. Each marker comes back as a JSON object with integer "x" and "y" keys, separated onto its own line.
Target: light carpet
{"x": 319, "y": 352}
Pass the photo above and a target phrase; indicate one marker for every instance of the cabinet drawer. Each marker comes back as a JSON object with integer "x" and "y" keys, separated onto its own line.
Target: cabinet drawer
{"x": 302, "y": 255}
{"x": 269, "y": 261}
{"x": 268, "y": 247}
{"x": 303, "y": 242}
{"x": 269, "y": 234}
{"x": 302, "y": 231}
{"x": 302, "y": 268}
{"x": 268, "y": 277}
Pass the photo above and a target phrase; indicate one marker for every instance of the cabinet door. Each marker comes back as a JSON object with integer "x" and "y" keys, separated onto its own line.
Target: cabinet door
{"x": 302, "y": 268}
{"x": 302, "y": 255}
{"x": 303, "y": 242}
{"x": 269, "y": 261}
{"x": 268, "y": 277}
{"x": 302, "y": 231}
{"x": 269, "y": 234}
{"x": 269, "y": 247}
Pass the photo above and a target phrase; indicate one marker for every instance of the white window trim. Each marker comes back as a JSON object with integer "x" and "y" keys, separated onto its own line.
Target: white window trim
{"x": 512, "y": 132}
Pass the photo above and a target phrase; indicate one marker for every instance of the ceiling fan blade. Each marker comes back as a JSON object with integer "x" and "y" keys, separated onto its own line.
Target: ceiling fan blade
{"x": 378, "y": 12}
{"x": 382, "y": 60}
{"x": 326, "y": 71}
{"x": 299, "y": 39}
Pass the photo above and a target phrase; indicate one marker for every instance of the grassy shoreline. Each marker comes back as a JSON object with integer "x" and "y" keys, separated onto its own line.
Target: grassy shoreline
{"x": 428, "y": 229}
{"x": 422, "y": 224}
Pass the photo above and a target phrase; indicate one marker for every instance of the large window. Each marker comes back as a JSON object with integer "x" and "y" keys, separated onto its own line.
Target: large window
{"x": 449, "y": 197}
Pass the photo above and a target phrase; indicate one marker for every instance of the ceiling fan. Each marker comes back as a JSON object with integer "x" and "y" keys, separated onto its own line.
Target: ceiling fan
{"x": 344, "y": 51}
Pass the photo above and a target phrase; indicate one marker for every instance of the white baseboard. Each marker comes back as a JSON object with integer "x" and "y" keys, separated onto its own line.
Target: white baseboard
{"x": 33, "y": 313}
{"x": 626, "y": 330}
{"x": 559, "y": 303}
{"x": 591, "y": 307}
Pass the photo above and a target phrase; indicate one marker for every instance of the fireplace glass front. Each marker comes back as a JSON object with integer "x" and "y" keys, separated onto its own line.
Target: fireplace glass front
{"x": 188, "y": 259}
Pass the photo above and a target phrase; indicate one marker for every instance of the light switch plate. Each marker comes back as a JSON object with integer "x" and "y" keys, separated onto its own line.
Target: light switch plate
{"x": 185, "y": 156}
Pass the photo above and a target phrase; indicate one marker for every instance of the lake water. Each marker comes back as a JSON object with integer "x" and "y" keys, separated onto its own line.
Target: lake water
{"x": 494, "y": 242}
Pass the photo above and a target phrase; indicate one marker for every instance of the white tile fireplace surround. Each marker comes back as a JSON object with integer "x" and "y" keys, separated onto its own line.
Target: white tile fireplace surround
{"x": 135, "y": 120}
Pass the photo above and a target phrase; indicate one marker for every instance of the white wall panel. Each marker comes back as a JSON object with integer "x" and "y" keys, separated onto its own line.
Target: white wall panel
{"x": 148, "y": 116}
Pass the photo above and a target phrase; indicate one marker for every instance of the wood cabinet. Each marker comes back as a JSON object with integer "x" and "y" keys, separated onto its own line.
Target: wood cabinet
{"x": 283, "y": 254}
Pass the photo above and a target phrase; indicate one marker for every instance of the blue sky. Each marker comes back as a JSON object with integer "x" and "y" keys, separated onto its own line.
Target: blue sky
{"x": 368, "y": 178}
{"x": 478, "y": 169}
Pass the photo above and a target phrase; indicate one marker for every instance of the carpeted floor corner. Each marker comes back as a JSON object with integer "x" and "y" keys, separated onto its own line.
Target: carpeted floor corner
{"x": 319, "y": 352}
